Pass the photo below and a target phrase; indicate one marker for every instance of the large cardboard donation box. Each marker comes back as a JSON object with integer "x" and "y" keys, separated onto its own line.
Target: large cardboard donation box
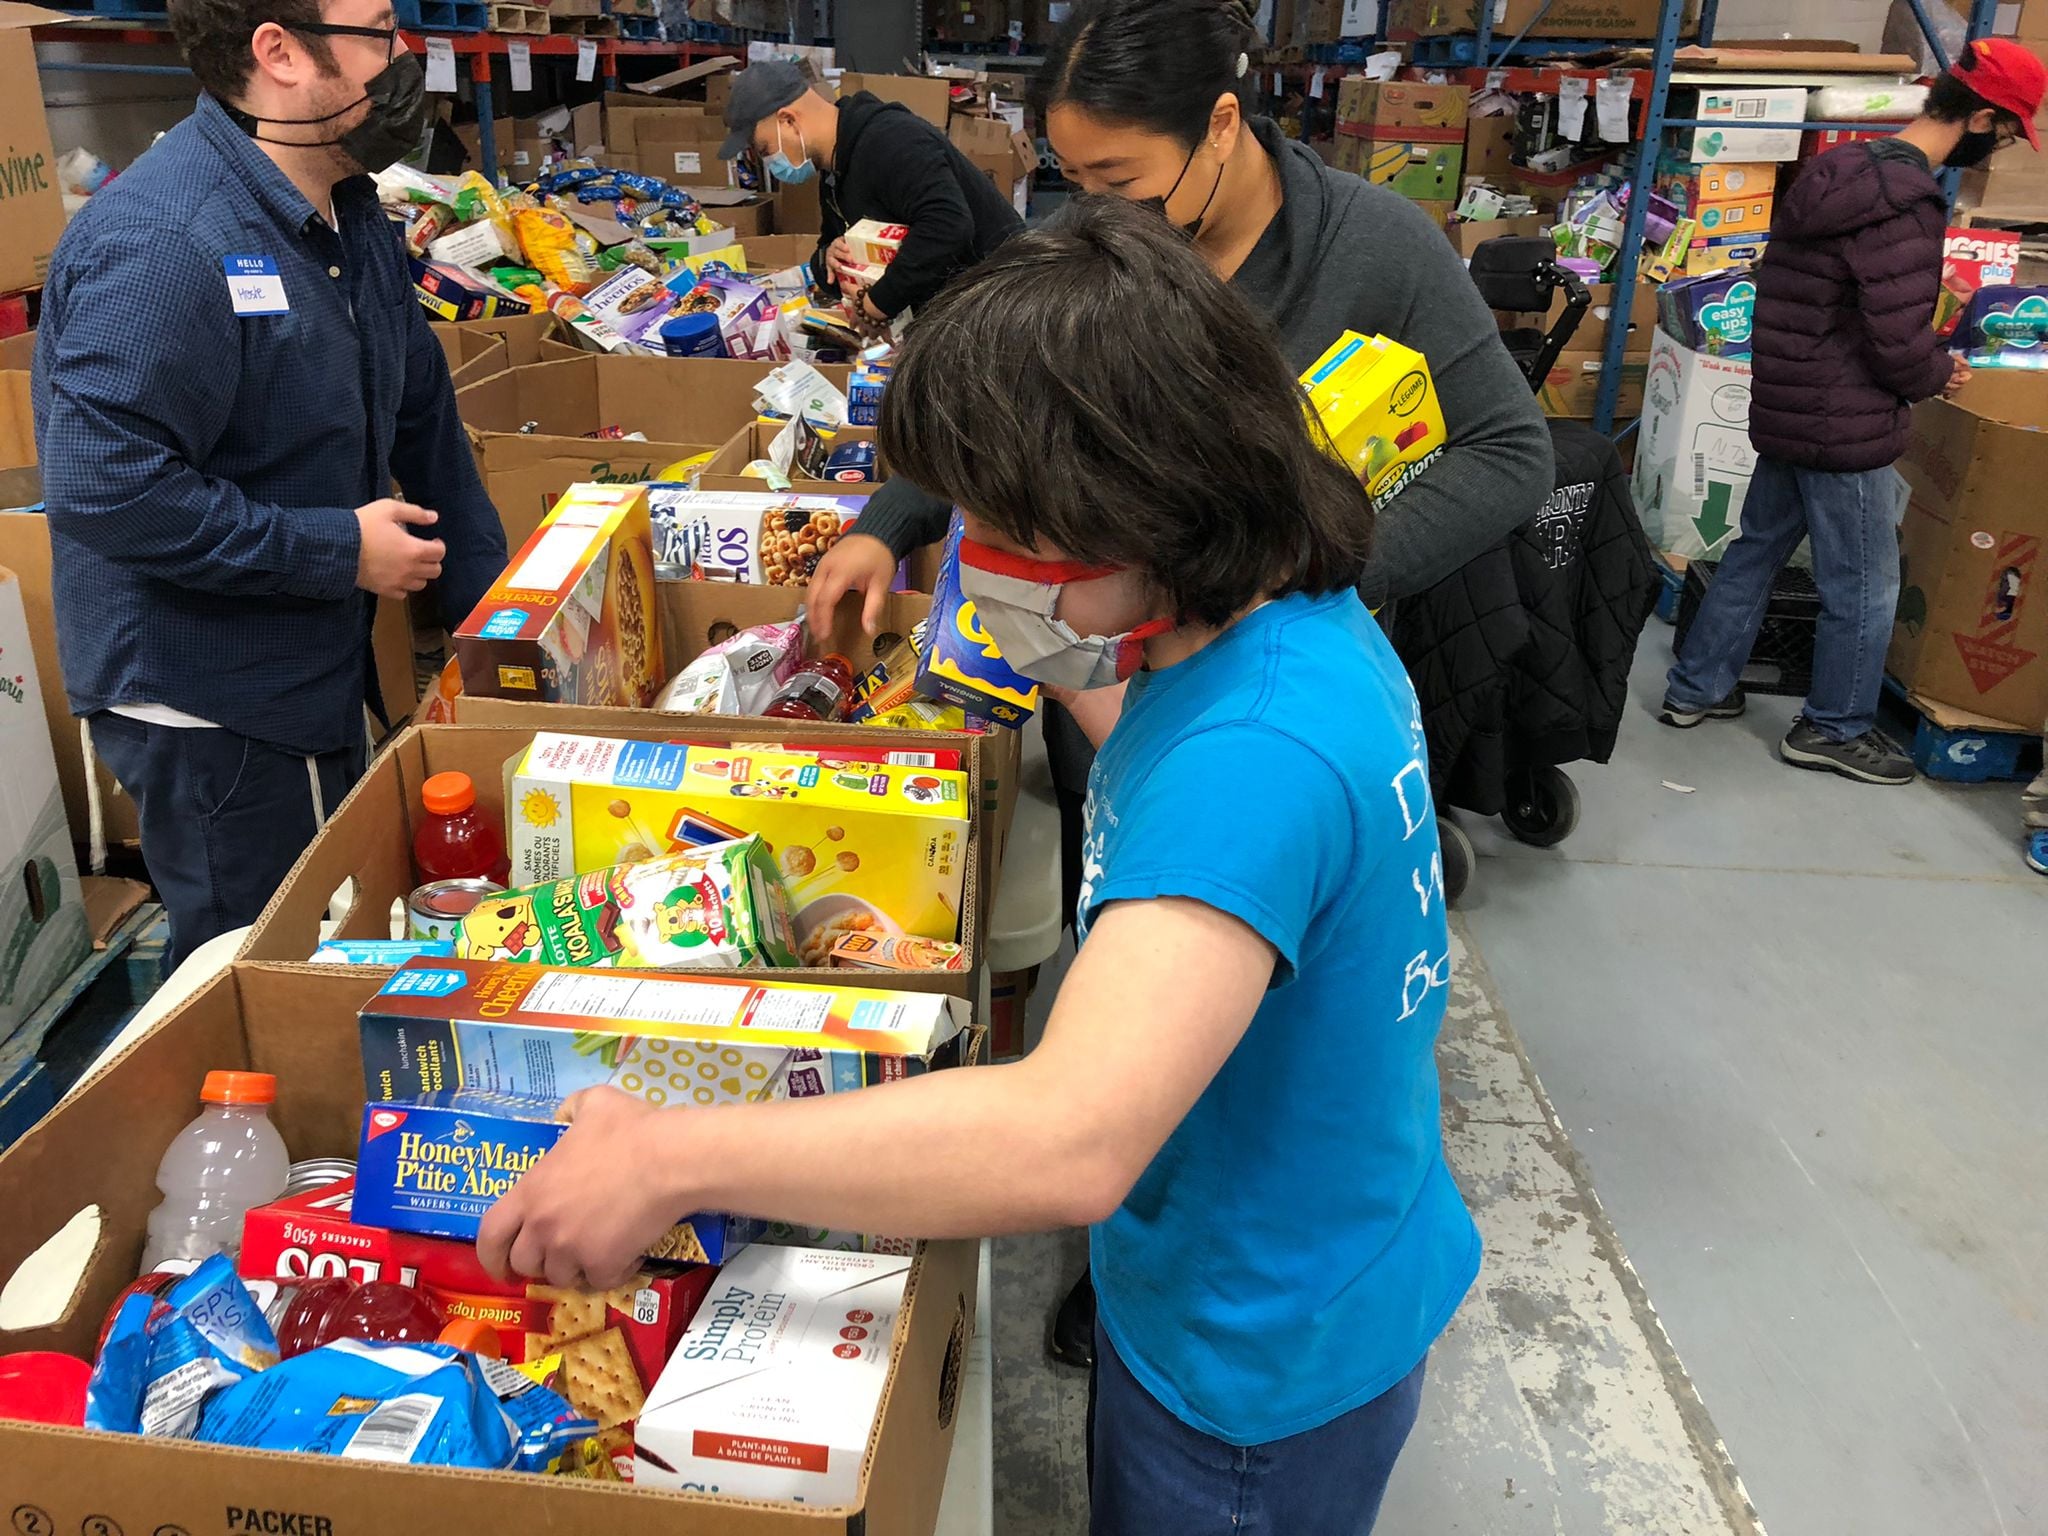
{"x": 1972, "y": 630}
{"x": 1693, "y": 459}
{"x": 31, "y": 201}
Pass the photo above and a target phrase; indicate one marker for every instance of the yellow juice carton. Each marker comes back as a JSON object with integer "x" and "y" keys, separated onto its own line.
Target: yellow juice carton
{"x": 1379, "y": 405}
{"x": 860, "y": 847}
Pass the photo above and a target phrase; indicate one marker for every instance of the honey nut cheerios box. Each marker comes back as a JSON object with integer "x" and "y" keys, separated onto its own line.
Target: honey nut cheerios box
{"x": 573, "y": 618}
{"x": 860, "y": 847}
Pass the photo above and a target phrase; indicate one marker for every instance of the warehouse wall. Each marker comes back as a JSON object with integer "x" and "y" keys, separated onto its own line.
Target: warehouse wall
{"x": 1859, "y": 21}
{"x": 115, "y": 116}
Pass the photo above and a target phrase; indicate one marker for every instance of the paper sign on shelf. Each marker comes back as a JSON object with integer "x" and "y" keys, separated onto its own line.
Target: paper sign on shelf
{"x": 586, "y": 58}
{"x": 519, "y": 57}
{"x": 1315, "y": 85}
{"x": 1571, "y": 106}
{"x": 440, "y": 64}
{"x": 1610, "y": 109}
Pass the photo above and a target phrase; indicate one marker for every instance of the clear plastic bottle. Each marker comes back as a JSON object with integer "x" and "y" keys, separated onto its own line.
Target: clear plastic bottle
{"x": 817, "y": 690}
{"x": 455, "y": 840}
{"x": 216, "y": 1169}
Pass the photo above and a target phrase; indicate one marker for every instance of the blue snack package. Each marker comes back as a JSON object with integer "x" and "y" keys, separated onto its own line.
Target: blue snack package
{"x": 165, "y": 1356}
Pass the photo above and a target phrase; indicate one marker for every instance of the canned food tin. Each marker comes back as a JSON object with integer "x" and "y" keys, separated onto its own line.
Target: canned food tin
{"x": 433, "y": 911}
{"x": 318, "y": 1173}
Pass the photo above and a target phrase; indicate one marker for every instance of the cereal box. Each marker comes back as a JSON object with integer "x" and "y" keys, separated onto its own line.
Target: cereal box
{"x": 773, "y": 1391}
{"x": 573, "y": 619}
{"x": 719, "y": 906}
{"x": 763, "y": 539}
{"x": 434, "y": 1166}
{"x": 960, "y": 664}
{"x": 541, "y": 1032}
{"x": 1379, "y": 406}
{"x": 860, "y": 846}
{"x": 868, "y": 952}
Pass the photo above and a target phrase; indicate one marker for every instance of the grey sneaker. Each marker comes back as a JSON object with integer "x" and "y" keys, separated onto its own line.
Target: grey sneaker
{"x": 1686, "y": 716}
{"x": 1872, "y": 758}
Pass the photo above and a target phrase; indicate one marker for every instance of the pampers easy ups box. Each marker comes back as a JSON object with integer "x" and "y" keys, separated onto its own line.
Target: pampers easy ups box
{"x": 573, "y": 619}
{"x": 1693, "y": 461}
{"x": 1379, "y": 406}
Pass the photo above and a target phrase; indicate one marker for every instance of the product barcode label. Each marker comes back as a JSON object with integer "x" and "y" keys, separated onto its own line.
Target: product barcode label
{"x": 1699, "y": 475}
{"x": 394, "y": 1430}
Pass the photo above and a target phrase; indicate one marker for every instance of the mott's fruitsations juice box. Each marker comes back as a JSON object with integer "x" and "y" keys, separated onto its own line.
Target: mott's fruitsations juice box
{"x": 860, "y": 847}
{"x": 539, "y": 1032}
{"x": 572, "y": 620}
{"x": 960, "y": 664}
{"x": 1379, "y": 405}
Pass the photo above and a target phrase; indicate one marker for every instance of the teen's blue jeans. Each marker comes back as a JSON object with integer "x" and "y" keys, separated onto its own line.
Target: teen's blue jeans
{"x": 1852, "y": 516}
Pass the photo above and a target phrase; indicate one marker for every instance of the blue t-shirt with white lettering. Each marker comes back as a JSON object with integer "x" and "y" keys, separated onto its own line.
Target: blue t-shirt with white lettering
{"x": 1298, "y": 1242}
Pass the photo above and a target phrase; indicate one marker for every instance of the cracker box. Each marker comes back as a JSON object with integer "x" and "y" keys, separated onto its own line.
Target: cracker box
{"x": 436, "y": 1165}
{"x": 773, "y": 1391}
{"x": 860, "y": 846}
{"x": 875, "y": 243}
{"x": 961, "y": 664}
{"x": 719, "y": 906}
{"x": 573, "y": 619}
{"x": 761, "y": 538}
{"x": 541, "y": 1032}
{"x": 1379, "y": 406}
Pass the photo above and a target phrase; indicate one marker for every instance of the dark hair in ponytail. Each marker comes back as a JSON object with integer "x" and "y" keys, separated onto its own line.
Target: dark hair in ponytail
{"x": 1158, "y": 64}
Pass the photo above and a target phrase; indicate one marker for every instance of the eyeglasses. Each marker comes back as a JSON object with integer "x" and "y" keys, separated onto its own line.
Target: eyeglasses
{"x": 388, "y": 35}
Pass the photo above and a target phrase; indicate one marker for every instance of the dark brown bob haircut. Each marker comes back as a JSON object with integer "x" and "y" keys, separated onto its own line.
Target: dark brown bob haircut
{"x": 1093, "y": 388}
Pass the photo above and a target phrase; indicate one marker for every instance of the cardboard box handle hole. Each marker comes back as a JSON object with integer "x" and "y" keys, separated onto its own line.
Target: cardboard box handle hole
{"x": 952, "y": 1364}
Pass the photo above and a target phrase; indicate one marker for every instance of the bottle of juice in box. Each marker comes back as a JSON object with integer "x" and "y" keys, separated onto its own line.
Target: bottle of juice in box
{"x": 217, "y": 1169}
{"x": 817, "y": 690}
{"x": 456, "y": 841}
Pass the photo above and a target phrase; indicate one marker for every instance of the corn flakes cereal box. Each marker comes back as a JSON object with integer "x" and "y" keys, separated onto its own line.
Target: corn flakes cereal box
{"x": 573, "y": 618}
{"x": 859, "y": 846}
{"x": 719, "y": 906}
{"x": 546, "y": 1032}
{"x": 1380, "y": 408}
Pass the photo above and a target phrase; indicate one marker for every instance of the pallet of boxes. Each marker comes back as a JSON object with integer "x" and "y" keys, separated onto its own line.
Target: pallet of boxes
{"x": 1406, "y": 136}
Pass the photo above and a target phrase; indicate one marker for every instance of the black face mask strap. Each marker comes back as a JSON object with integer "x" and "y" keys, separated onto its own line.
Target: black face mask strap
{"x": 248, "y": 122}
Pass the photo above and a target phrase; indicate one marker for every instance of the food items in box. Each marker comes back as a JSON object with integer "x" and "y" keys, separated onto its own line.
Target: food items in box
{"x": 435, "y": 910}
{"x": 960, "y": 663}
{"x": 856, "y": 844}
{"x": 737, "y": 676}
{"x": 378, "y": 951}
{"x": 573, "y": 619}
{"x": 720, "y": 905}
{"x": 876, "y": 952}
{"x": 876, "y": 243}
{"x": 761, "y": 538}
{"x": 1378, "y": 404}
{"x": 773, "y": 1392}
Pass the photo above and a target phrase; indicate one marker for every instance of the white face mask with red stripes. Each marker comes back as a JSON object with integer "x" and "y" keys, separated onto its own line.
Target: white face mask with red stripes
{"x": 1017, "y": 600}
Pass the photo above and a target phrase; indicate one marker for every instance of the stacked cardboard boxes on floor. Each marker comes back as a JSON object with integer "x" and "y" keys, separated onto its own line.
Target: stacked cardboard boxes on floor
{"x": 31, "y": 202}
{"x": 1406, "y": 136}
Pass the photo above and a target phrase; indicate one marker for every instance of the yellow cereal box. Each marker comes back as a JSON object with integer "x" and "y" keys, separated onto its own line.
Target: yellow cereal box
{"x": 860, "y": 847}
{"x": 1380, "y": 408}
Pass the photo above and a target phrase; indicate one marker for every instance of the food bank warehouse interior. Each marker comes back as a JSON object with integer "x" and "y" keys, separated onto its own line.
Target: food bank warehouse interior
{"x": 1023, "y": 766}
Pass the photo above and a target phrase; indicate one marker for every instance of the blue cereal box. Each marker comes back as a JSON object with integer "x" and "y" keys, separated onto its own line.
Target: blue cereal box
{"x": 961, "y": 665}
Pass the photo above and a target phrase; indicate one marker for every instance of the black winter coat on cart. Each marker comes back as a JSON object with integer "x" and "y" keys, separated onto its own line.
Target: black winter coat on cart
{"x": 892, "y": 166}
{"x": 1520, "y": 658}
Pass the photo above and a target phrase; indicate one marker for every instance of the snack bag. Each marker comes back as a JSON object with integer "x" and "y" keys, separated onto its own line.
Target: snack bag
{"x": 549, "y": 241}
{"x": 714, "y": 907}
{"x": 736, "y": 676}
{"x": 165, "y": 1355}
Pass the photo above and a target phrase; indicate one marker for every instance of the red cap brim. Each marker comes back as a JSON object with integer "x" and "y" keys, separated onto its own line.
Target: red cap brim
{"x": 2033, "y": 138}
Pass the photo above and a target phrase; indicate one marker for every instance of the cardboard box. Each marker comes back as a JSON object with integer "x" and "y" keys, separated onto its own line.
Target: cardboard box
{"x": 1719, "y": 253}
{"x": 1728, "y": 108}
{"x": 533, "y": 338}
{"x": 572, "y": 619}
{"x": 726, "y": 471}
{"x": 930, "y": 99}
{"x": 1744, "y": 218}
{"x": 31, "y": 200}
{"x": 960, "y": 663}
{"x": 1572, "y": 387}
{"x": 43, "y": 930}
{"x": 1972, "y": 630}
{"x": 101, "y": 1147}
{"x": 1640, "y": 317}
{"x": 1489, "y": 146}
{"x": 1407, "y": 109}
{"x": 1693, "y": 456}
{"x": 1713, "y": 313}
{"x": 773, "y": 253}
{"x": 1378, "y": 404}
{"x": 874, "y": 846}
{"x": 472, "y": 355}
{"x": 797, "y": 209}
{"x": 1469, "y": 234}
{"x": 17, "y": 352}
{"x": 1692, "y": 187}
{"x": 1421, "y": 171}
{"x": 772, "y": 1393}
{"x": 1560, "y": 18}
{"x": 455, "y": 293}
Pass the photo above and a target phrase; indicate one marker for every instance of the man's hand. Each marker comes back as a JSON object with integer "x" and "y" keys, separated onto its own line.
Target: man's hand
{"x": 1957, "y": 378}
{"x": 861, "y": 563}
{"x": 392, "y": 563}
{"x": 582, "y": 1217}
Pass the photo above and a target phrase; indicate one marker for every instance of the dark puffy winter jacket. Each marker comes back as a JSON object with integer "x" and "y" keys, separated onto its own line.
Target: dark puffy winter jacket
{"x": 1845, "y": 308}
{"x": 1520, "y": 658}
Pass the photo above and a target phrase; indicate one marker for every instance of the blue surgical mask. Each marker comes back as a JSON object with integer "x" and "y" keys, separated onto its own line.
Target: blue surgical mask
{"x": 788, "y": 171}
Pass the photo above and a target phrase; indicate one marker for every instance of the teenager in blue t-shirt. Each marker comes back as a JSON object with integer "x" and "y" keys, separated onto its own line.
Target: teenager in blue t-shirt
{"x": 1236, "y": 1089}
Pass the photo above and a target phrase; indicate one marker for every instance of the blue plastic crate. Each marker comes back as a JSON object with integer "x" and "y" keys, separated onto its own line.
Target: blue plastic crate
{"x": 1463, "y": 52}
{"x": 1670, "y": 586}
{"x": 134, "y": 10}
{"x": 640, "y": 29}
{"x": 442, "y": 15}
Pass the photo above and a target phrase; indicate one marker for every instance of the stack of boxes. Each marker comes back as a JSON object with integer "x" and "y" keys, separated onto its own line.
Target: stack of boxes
{"x": 1730, "y": 204}
{"x": 1407, "y": 136}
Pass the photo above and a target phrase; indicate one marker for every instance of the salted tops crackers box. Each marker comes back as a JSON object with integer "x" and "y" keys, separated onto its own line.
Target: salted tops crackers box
{"x": 539, "y": 1032}
{"x": 860, "y": 846}
{"x": 773, "y": 1391}
{"x": 960, "y": 664}
{"x": 573, "y": 619}
{"x": 1380, "y": 408}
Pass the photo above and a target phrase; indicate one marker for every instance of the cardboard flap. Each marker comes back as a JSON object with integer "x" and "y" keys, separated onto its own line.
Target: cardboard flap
{"x": 14, "y": 15}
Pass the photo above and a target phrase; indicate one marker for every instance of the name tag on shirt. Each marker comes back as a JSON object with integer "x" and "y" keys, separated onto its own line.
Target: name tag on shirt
{"x": 254, "y": 286}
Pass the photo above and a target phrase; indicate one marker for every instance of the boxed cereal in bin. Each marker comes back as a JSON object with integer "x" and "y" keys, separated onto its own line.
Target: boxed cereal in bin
{"x": 773, "y": 539}
{"x": 573, "y": 619}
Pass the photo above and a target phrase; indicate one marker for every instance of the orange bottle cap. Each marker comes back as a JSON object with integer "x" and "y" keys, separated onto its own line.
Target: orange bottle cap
{"x": 835, "y": 656}
{"x": 448, "y": 794}
{"x": 479, "y": 1338}
{"x": 238, "y": 1088}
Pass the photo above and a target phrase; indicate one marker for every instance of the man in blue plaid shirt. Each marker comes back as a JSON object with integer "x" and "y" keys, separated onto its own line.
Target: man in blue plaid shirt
{"x": 231, "y": 371}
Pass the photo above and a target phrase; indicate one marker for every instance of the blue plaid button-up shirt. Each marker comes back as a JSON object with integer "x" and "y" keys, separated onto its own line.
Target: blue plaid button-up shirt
{"x": 202, "y": 467}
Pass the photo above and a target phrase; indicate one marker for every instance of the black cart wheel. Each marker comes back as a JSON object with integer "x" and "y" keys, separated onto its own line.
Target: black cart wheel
{"x": 1542, "y": 808}
{"x": 1459, "y": 856}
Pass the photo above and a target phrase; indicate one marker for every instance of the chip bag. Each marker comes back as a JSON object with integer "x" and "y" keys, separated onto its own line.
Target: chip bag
{"x": 166, "y": 1354}
{"x": 737, "y": 676}
{"x": 549, "y": 241}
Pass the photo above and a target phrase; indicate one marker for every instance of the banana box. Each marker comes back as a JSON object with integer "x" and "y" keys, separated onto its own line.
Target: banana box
{"x": 860, "y": 847}
{"x": 1380, "y": 408}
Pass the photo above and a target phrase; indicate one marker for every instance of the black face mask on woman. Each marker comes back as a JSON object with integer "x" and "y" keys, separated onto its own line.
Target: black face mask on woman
{"x": 392, "y": 129}
{"x": 1192, "y": 229}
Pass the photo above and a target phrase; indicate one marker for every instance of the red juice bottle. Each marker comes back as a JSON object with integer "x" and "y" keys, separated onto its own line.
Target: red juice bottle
{"x": 456, "y": 841}
{"x": 817, "y": 690}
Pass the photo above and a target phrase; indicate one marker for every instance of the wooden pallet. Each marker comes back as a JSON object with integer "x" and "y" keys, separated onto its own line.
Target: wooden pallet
{"x": 586, "y": 26}
{"x": 1951, "y": 746}
{"x": 520, "y": 20}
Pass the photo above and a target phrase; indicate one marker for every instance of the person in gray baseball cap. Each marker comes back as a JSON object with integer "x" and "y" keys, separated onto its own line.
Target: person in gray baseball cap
{"x": 880, "y": 161}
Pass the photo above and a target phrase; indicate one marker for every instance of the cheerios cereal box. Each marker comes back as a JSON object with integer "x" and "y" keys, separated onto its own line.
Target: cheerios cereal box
{"x": 860, "y": 847}
{"x": 546, "y": 1032}
{"x": 573, "y": 619}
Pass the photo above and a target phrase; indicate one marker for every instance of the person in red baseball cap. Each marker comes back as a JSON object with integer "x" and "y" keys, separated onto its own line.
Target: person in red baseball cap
{"x": 1994, "y": 91}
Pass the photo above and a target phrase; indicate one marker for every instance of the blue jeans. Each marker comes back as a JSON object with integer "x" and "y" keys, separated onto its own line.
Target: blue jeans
{"x": 1150, "y": 1473}
{"x": 1852, "y": 516}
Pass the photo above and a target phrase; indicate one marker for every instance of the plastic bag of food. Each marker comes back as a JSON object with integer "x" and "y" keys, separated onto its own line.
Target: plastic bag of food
{"x": 737, "y": 676}
{"x": 166, "y": 1354}
{"x": 550, "y": 245}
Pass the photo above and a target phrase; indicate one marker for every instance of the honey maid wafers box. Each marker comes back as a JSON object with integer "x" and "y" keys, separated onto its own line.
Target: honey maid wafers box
{"x": 1380, "y": 408}
{"x": 544, "y": 1032}
{"x": 860, "y": 847}
{"x": 573, "y": 619}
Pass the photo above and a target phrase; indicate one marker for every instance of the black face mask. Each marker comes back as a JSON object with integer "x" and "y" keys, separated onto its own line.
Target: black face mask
{"x": 1974, "y": 149}
{"x": 392, "y": 129}
{"x": 1193, "y": 228}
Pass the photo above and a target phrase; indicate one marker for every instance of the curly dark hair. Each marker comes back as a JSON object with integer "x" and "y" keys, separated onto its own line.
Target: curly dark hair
{"x": 1095, "y": 388}
{"x": 215, "y": 34}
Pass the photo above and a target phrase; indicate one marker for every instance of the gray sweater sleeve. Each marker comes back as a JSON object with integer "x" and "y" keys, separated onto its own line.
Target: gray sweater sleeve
{"x": 1498, "y": 466}
{"x": 904, "y": 517}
